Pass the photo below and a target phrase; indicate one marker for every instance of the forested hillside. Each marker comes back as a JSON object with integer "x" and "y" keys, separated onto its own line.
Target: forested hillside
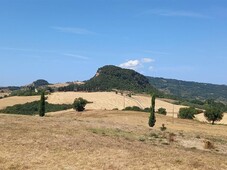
{"x": 190, "y": 90}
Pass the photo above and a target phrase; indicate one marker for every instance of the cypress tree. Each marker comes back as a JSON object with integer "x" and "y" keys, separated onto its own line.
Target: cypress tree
{"x": 152, "y": 118}
{"x": 42, "y": 105}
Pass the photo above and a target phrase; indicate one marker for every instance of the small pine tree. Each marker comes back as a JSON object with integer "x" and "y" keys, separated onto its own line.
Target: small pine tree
{"x": 42, "y": 105}
{"x": 152, "y": 118}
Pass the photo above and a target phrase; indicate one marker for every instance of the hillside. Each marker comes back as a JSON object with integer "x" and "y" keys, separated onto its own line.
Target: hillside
{"x": 190, "y": 90}
{"x": 113, "y": 77}
{"x": 39, "y": 83}
{"x": 108, "y": 140}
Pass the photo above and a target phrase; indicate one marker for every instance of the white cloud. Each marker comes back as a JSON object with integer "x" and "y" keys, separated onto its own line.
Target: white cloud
{"x": 147, "y": 60}
{"x": 131, "y": 64}
{"x": 73, "y": 30}
{"x": 136, "y": 64}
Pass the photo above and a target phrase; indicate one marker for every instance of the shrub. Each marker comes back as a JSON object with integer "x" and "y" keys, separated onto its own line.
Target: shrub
{"x": 133, "y": 108}
{"x": 147, "y": 109}
{"x": 115, "y": 109}
{"x": 162, "y": 111}
{"x": 129, "y": 95}
{"x": 163, "y": 128}
{"x": 33, "y": 108}
{"x": 187, "y": 113}
{"x": 79, "y": 104}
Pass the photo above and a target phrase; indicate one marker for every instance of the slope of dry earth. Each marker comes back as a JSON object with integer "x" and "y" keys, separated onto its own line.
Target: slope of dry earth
{"x": 108, "y": 140}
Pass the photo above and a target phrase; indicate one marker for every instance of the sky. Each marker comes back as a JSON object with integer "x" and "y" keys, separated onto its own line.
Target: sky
{"x": 68, "y": 40}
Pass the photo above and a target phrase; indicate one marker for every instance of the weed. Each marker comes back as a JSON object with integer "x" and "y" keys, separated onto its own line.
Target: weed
{"x": 163, "y": 128}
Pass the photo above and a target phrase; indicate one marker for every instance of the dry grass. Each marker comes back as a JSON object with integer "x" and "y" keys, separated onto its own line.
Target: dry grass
{"x": 201, "y": 118}
{"x": 107, "y": 140}
{"x": 110, "y": 100}
{"x": 104, "y": 101}
{"x": 10, "y": 101}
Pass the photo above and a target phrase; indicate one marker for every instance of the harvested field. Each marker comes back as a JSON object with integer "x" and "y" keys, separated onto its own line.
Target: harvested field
{"x": 108, "y": 140}
{"x": 110, "y": 100}
{"x": 10, "y": 101}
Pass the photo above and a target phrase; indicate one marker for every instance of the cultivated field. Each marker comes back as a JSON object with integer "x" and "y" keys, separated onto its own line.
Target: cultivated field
{"x": 104, "y": 101}
{"x": 10, "y": 101}
{"x": 109, "y": 140}
{"x": 110, "y": 100}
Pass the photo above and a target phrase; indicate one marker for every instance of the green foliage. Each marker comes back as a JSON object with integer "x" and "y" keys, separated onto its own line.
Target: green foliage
{"x": 42, "y": 108}
{"x": 25, "y": 92}
{"x": 214, "y": 111}
{"x": 33, "y": 108}
{"x": 187, "y": 113}
{"x": 40, "y": 82}
{"x": 190, "y": 90}
{"x": 147, "y": 109}
{"x": 113, "y": 77}
{"x": 152, "y": 118}
{"x": 79, "y": 104}
{"x": 162, "y": 111}
{"x": 134, "y": 108}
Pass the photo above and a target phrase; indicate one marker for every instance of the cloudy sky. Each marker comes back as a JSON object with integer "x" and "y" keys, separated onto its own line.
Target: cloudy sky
{"x": 68, "y": 40}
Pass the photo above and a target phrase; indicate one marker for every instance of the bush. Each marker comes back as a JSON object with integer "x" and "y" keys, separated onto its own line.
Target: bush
{"x": 134, "y": 108}
{"x": 129, "y": 95}
{"x": 163, "y": 128}
{"x": 162, "y": 111}
{"x": 115, "y": 108}
{"x": 79, "y": 104}
{"x": 33, "y": 108}
{"x": 147, "y": 109}
{"x": 187, "y": 113}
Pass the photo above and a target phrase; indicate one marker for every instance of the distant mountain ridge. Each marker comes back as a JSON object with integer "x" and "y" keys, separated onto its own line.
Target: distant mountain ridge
{"x": 190, "y": 90}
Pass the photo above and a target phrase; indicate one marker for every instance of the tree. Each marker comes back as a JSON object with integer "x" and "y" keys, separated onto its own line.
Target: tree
{"x": 162, "y": 111}
{"x": 187, "y": 113}
{"x": 152, "y": 118}
{"x": 213, "y": 114}
{"x": 79, "y": 104}
{"x": 42, "y": 105}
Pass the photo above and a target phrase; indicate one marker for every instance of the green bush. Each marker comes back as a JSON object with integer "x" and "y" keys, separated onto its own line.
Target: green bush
{"x": 33, "y": 108}
{"x": 162, "y": 111}
{"x": 187, "y": 113}
{"x": 147, "y": 109}
{"x": 79, "y": 104}
{"x": 133, "y": 108}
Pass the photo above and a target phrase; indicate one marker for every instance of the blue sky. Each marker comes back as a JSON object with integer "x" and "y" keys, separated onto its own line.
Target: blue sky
{"x": 68, "y": 40}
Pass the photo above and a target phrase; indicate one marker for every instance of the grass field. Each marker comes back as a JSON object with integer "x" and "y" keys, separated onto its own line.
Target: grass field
{"x": 108, "y": 140}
